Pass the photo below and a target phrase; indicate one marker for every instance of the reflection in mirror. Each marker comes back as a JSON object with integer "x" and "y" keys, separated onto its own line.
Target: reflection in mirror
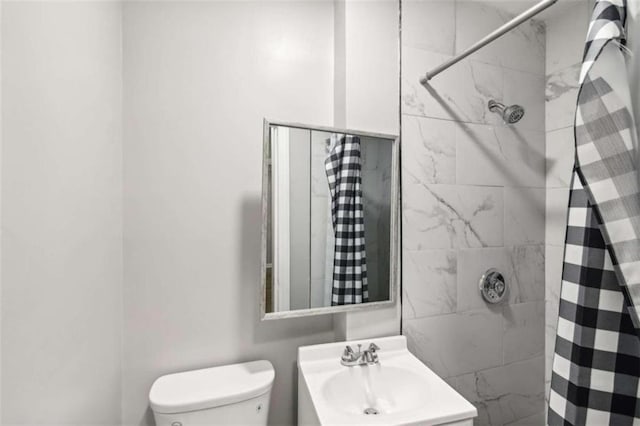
{"x": 328, "y": 212}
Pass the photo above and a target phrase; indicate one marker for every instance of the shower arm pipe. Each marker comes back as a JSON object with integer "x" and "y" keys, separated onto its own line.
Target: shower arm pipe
{"x": 529, "y": 13}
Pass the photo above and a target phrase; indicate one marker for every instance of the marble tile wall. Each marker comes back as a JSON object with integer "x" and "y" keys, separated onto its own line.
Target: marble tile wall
{"x": 566, "y": 33}
{"x": 474, "y": 198}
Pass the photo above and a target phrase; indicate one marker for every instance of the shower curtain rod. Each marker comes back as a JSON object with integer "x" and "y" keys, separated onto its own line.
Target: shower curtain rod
{"x": 489, "y": 38}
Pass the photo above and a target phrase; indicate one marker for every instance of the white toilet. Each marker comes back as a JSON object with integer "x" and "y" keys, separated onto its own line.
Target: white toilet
{"x": 235, "y": 394}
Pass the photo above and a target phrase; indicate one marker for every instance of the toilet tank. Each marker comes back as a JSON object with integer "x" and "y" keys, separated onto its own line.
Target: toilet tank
{"x": 237, "y": 394}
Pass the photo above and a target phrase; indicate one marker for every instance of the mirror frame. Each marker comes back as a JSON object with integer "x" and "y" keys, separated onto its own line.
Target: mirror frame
{"x": 394, "y": 258}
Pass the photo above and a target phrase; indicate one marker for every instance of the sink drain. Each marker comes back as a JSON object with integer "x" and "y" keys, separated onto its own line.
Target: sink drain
{"x": 371, "y": 411}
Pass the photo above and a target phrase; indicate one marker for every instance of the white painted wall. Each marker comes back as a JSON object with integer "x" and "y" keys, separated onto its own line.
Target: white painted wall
{"x": 198, "y": 80}
{"x": 372, "y": 66}
{"x": 61, "y": 213}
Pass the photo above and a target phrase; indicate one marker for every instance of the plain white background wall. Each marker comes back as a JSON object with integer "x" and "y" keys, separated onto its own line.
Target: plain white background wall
{"x": 61, "y": 213}
{"x": 198, "y": 80}
{"x": 372, "y": 66}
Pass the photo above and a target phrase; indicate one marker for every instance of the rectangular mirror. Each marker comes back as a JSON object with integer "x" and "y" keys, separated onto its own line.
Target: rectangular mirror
{"x": 329, "y": 220}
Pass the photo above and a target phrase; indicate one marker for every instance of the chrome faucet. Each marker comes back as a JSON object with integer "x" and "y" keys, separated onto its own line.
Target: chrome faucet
{"x": 351, "y": 358}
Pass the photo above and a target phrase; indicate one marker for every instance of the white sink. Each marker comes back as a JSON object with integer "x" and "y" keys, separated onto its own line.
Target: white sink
{"x": 389, "y": 390}
{"x": 400, "y": 389}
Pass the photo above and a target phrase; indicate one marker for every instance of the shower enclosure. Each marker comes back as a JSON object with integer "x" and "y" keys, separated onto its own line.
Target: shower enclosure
{"x": 484, "y": 190}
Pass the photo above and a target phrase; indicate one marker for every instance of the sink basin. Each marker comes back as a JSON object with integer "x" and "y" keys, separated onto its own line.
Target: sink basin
{"x": 399, "y": 390}
{"x": 387, "y": 390}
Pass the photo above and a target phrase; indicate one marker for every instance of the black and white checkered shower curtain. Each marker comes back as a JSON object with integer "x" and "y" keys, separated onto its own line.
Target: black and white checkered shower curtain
{"x": 596, "y": 366}
{"x": 343, "y": 167}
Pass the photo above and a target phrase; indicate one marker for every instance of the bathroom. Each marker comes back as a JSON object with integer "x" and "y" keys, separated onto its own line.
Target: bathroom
{"x": 135, "y": 193}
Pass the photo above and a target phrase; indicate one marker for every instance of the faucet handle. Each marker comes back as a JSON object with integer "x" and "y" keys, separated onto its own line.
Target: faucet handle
{"x": 370, "y": 356}
{"x": 348, "y": 353}
{"x": 373, "y": 347}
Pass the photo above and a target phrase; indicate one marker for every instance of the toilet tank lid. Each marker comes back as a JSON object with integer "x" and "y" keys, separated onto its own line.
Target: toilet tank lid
{"x": 210, "y": 387}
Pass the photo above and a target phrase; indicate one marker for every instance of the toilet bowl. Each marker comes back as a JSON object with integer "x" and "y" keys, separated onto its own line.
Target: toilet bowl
{"x": 237, "y": 394}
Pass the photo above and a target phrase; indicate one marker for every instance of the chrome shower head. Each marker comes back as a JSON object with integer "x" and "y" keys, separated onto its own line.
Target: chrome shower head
{"x": 510, "y": 114}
